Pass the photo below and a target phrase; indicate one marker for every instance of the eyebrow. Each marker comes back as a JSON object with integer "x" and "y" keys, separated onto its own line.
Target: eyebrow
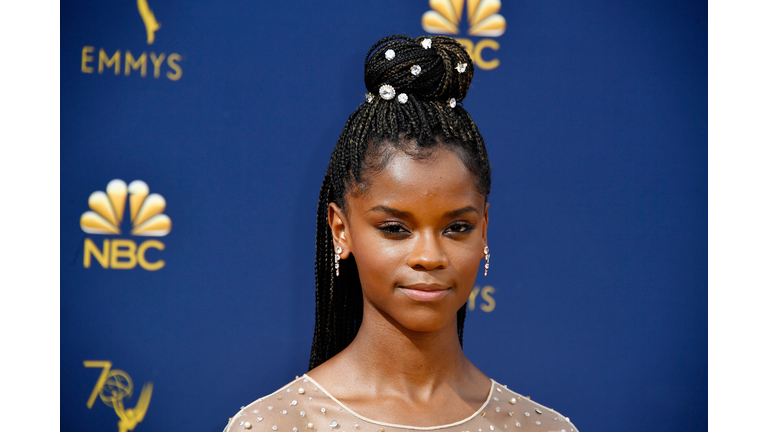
{"x": 460, "y": 211}
{"x": 405, "y": 214}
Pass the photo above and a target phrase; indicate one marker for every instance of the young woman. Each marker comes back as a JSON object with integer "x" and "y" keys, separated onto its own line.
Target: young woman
{"x": 401, "y": 231}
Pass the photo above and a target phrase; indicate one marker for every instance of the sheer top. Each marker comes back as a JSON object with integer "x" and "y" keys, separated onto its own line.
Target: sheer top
{"x": 304, "y": 406}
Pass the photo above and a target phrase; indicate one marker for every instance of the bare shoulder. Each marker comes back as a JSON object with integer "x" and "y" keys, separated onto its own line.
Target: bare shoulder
{"x": 340, "y": 377}
{"x": 524, "y": 413}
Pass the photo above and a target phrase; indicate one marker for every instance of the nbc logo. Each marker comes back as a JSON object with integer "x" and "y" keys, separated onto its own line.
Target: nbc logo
{"x": 483, "y": 19}
{"x": 106, "y": 217}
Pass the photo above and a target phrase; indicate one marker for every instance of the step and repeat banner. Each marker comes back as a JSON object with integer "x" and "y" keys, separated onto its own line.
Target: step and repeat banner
{"x": 194, "y": 138}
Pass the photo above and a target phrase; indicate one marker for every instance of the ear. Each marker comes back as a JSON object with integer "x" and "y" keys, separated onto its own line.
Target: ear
{"x": 485, "y": 224}
{"x": 339, "y": 230}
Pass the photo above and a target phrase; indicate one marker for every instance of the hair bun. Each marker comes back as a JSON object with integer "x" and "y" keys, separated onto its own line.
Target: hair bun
{"x": 442, "y": 71}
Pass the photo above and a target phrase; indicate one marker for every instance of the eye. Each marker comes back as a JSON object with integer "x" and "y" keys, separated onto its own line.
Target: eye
{"x": 460, "y": 228}
{"x": 393, "y": 229}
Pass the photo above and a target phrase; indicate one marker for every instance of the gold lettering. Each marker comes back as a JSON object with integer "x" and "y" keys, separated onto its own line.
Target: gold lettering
{"x": 478, "y": 55}
{"x": 171, "y": 63}
{"x": 472, "y": 297}
{"x": 486, "y": 294}
{"x": 86, "y": 58}
{"x": 469, "y": 46}
{"x": 129, "y": 253}
{"x": 101, "y": 256}
{"x": 131, "y": 63}
{"x": 105, "y": 365}
{"x": 157, "y": 62}
{"x": 146, "y": 265}
{"x": 104, "y": 60}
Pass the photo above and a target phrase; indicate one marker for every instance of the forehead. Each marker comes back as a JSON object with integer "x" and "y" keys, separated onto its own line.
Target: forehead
{"x": 440, "y": 181}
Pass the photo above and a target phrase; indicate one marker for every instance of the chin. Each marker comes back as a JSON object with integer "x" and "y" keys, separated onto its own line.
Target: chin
{"x": 425, "y": 321}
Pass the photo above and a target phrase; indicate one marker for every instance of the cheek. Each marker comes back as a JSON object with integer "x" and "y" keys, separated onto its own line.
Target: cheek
{"x": 466, "y": 263}
{"x": 378, "y": 260}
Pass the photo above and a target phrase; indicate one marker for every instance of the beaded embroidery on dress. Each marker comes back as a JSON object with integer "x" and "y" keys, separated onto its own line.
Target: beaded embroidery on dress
{"x": 303, "y": 405}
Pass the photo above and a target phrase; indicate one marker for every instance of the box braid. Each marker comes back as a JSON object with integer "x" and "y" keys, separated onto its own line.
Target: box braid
{"x": 370, "y": 137}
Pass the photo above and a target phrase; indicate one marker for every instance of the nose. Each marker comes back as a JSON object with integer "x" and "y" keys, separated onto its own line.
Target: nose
{"x": 427, "y": 253}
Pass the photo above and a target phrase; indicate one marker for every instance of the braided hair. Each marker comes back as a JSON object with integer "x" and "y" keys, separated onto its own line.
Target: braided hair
{"x": 434, "y": 73}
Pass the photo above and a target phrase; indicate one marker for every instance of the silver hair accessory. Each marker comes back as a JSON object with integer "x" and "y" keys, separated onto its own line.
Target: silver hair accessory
{"x": 387, "y": 92}
{"x": 487, "y": 253}
{"x": 426, "y": 43}
{"x": 415, "y": 70}
{"x": 390, "y": 54}
{"x": 336, "y": 258}
{"x": 452, "y": 102}
{"x": 461, "y": 67}
{"x": 369, "y": 97}
{"x": 402, "y": 98}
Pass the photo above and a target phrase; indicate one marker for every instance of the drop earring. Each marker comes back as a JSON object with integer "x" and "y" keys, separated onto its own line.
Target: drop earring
{"x": 487, "y": 253}
{"x": 336, "y": 259}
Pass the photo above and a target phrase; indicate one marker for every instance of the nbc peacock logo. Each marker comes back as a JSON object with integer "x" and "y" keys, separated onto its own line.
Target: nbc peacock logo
{"x": 106, "y": 218}
{"x": 483, "y": 19}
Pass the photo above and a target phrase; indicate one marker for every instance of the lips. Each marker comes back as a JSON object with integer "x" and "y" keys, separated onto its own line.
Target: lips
{"x": 425, "y": 292}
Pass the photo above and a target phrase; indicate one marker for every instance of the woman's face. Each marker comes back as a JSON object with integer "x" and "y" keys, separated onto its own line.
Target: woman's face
{"x": 417, "y": 234}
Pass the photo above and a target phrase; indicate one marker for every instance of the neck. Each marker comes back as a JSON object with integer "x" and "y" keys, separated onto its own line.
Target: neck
{"x": 388, "y": 355}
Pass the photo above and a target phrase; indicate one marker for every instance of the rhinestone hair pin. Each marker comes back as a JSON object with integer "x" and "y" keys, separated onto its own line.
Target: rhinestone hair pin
{"x": 387, "y": 92}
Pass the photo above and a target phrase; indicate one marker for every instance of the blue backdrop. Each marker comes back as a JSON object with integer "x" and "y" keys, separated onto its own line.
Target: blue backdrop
{"x": 595, "y": 118}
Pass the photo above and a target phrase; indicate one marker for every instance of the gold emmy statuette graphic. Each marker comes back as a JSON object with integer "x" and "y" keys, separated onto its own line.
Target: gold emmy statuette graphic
{"x": 483, "y": 19}
{"x": 113, "y": 386}
{"x": 149, "y": 20}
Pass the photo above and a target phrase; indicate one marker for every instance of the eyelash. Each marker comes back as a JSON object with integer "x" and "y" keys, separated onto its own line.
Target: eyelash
{"x": 464, "y": 227}
{"x": 398, "y": 229}
{"x": 393, "y": 229}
